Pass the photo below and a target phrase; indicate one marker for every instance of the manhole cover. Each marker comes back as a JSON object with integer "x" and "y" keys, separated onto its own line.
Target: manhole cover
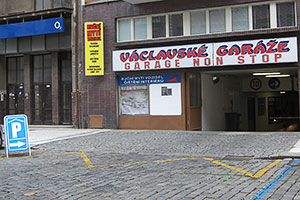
{"x": 237, "y": 158}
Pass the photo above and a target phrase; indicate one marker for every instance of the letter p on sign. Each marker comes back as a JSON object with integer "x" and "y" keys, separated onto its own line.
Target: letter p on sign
{"x": 15, "y": 128}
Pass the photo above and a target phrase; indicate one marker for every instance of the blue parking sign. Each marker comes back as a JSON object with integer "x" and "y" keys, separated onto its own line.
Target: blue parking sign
{"x": 16, "y": 133}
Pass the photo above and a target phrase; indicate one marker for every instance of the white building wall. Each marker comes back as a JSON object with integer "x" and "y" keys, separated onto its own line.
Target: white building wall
{"x": 217, "y": 99}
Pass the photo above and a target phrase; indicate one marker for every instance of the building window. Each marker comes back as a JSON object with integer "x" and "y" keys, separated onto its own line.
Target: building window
{"x": 217, "y": 22}
{"x": 261, "y": 16}
{"x": 205, "y": 21}
{"x": 158, "y": 26}
{"x": 198, "y": 22}
{"x": 42, "y": 4}
{"x": 124, "y": 29}
{"x": 240, "y": 18}
{"x": 140, "y": 28}
{"x": 285, "y": 14}
{"x": 176, "y": 24}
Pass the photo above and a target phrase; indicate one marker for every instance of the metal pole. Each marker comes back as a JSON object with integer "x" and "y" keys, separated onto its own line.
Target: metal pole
{"x": 75, "y": 63}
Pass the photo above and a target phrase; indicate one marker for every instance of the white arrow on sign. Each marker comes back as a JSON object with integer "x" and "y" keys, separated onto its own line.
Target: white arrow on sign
{"x": 17, "y": 144}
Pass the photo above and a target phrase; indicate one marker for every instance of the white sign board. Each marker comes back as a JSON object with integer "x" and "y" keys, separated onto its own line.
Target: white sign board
{"x": 280, "y": 50}
{"x": 172, "y": 57}
{"x": 165, "y": 99}
{"x": 247, "y": 52}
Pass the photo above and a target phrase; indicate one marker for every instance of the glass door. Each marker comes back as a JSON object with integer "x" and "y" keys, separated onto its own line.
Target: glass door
{"x": 66, "y": 88}
{"x": 15, "y": 85}
{"x": 42, "y": 90}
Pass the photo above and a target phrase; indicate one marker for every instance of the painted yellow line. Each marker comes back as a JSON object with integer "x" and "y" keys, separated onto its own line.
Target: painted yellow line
{"x": 90, "y": 164}
{"x": 146, "y": 162}
{"x": 257, "y": 175}
{"x": 82, "y": 154}
{"x": 227, "y": 166}
{"x": 263, "y": 171}
{"x": 86, "y": 160}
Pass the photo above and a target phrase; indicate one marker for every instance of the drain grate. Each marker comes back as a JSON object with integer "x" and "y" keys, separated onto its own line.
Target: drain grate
{"x": 237, "y": 158}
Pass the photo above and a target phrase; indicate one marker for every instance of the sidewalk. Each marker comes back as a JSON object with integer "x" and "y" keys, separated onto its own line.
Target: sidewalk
{"x": 45, "y": 134}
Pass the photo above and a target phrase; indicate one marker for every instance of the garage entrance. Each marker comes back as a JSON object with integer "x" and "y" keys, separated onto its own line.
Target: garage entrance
{"x": 250, "y": 100}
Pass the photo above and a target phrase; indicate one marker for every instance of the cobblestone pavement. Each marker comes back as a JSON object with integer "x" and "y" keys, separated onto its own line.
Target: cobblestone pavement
{"x": 119, "y": 164}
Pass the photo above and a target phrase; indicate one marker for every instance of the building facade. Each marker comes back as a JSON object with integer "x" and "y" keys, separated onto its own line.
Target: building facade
{"x": 152, "y": 64}
{"x": 36, "y": 60}
{"x": 194, "y": 65}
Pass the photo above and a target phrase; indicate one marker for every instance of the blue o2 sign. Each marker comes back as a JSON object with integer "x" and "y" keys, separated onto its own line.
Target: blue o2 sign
{"x": 38, "y": 27}
{"x": 16, "y": 133}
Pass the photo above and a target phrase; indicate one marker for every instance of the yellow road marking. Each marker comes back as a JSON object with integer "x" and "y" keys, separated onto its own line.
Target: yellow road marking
{"x": 90, "y": 164}
{"x": 86, "y": 160}
{"x": 82, "y": 154}
{"x": 257, "y": 175}
{"x": 263, "y": 171}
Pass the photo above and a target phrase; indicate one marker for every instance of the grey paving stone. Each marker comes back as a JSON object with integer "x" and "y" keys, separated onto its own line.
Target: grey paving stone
{"x": 68, "y": 177}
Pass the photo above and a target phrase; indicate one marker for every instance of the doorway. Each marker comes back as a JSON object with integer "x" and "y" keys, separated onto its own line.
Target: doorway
{"x": 15, "y": 85}
{"x": 193, "y": 101}
{"x": 42, "y": 90}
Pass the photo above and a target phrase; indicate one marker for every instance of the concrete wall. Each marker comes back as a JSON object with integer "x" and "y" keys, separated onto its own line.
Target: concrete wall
{"x": 2, "y": 7}
{"x": 20, "y": 6}
{"x": 16, "y": 6}
{"x": 217, "y": 99}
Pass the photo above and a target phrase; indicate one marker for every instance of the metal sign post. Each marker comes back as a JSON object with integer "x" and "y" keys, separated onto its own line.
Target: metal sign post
{"x": 16, "y": 134}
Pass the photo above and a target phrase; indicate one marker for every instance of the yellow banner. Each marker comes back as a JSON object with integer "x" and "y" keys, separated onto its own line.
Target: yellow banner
{"x": 94, "y": 55}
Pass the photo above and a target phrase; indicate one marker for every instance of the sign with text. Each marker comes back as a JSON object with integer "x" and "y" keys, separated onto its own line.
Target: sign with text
{"x": 94, "y": 55}
{"x": 16, "y": 133}
{"x": 173, "y": 57}
{"x": 248, "y": 52}
{"x": 149, "y": 79}
{"x": 37, "y": 27}
{"x": 279, "y": 50}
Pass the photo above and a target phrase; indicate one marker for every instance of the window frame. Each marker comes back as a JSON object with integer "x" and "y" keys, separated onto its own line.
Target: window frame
{"x": 249, "y": 15}
{"x": 206, "y": 21}
{"x": 270, "y": 17}
{"x": 133, "y": 27}
{"x": 166, "y": 25}
{"x": 225, "y": 25}
{"x": 118, "y": 29}
{"x": 186, "y": 15}
{"x": 295, "y": 12}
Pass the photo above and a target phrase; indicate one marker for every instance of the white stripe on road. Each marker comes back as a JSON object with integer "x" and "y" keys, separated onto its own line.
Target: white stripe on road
{"x": 296, "y": 148}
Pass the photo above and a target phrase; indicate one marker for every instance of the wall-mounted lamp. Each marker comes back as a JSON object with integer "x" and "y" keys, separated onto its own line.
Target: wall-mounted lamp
{"x": 215, "y": 79}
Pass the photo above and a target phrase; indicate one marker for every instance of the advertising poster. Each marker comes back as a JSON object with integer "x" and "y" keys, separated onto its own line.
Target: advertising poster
{"x": 134, "y": 100}
{"x": 94, "y": 55}
{"x": 158, "y": 94}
